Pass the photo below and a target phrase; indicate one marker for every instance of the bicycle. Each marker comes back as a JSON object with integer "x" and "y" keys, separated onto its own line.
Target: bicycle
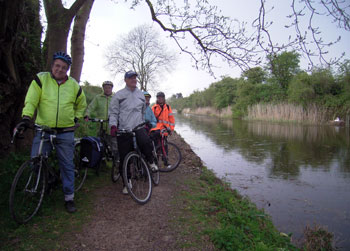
{"x": 168, "y": 154}
{"x": 34, "y": 178}
{"x": 136, "y": 174}
{"x": 107, "y": 154}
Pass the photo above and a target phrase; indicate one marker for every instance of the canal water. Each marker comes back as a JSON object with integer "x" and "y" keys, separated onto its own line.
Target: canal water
{"x": 300, "y": 175}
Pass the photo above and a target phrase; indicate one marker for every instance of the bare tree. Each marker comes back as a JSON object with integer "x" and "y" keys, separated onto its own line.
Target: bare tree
{"x": 216, "y": 35}
{"x": 142, "y": 51}
{"x": 78, "y": 37}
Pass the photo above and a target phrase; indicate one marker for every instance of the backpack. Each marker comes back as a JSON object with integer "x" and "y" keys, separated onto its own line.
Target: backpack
{"x": 91, "y": 151}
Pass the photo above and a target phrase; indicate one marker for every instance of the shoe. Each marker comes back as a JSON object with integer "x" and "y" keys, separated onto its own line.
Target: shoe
{"x": 70, "y": 206}
{"x": 125, "y": 190}
{"x": 153, "y": 167}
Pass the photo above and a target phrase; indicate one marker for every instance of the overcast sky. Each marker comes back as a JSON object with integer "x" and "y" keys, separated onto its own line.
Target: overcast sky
{"x": 109, "y": 20}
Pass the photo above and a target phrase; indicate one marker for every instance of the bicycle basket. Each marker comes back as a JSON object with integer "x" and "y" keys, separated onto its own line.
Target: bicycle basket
{"x": 91, "y": 149}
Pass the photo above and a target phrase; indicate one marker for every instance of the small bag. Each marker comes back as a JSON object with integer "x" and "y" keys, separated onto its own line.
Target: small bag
{"x": 91, "y": 151}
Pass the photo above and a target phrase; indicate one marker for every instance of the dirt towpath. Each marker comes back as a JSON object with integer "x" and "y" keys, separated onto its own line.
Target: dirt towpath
{"x": 119, "y": 223}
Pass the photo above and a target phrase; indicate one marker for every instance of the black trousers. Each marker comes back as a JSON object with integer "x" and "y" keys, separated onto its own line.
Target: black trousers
{"x": 125, "y": 145}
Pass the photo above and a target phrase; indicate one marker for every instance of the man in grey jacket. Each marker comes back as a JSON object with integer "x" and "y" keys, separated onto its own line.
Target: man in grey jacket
{"x": 126, "y": 111}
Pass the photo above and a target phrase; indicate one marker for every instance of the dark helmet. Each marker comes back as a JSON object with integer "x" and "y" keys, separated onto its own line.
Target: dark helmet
{"x": 160, "y": 94}
{"x": 107, "y": 83}
{"x": 63, "y": 56}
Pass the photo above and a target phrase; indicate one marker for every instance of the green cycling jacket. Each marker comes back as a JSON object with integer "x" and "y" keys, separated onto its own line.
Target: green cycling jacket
{"x": 56, "y": 105}
{"x": 98, "y": 108}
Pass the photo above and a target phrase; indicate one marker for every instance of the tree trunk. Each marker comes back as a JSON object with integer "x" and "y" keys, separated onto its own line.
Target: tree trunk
{"x": 59, "y": 20}
{"x": 78, "y": 37}
{"x": 20, "y": 59}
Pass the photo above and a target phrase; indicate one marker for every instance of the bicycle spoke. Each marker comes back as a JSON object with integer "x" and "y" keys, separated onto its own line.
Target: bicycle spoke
{"x": 27, "y": 191}
{"x": 138, "y": 179}
{"x": 169, "y": 157}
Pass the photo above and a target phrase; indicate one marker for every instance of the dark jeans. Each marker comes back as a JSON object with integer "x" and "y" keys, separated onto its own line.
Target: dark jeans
{"x": 125, "y": 145}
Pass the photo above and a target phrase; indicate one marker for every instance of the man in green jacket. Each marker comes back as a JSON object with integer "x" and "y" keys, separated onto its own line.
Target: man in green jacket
{"x": 98, "y": 108}
{"x": 59, "y": 102}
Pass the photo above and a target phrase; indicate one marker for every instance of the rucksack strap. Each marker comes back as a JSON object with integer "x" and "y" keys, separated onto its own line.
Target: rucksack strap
{"x": 37, "y": 80}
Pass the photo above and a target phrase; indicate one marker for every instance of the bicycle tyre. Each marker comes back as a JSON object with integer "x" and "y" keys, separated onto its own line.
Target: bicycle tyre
{"x": 174, "y": 157}
{"x": 80, "y": 170}
{"x": 137, "y": 178}
{"x": 155, "y": 176}
{"x": 28, "y": 175}
{"x": 115, "y": 174}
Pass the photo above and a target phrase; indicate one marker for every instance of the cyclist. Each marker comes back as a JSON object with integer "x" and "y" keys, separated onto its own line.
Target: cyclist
{"x": 149, "y": 115}
{"x": 127, "y": 110}
{"x": 59, "y": 102}
{"x": 164, "y": 115}
{"x": 98, "y": 108}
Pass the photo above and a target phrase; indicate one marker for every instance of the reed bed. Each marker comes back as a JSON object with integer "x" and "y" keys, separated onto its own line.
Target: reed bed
{"x": 311, "y": 114}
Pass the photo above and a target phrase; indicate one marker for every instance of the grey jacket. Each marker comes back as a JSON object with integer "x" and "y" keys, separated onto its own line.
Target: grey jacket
{"x": 127, "y": 109}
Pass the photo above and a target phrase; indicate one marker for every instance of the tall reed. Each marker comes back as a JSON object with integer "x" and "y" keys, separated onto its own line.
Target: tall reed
{"x": 289, "y": 112}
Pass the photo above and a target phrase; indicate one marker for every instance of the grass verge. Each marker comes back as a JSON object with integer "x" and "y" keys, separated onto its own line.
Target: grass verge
{"x": 213, "y": 210}
{"x": 52, "y": 222}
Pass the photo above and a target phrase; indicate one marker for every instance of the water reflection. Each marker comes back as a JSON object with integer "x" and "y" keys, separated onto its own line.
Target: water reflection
{"x": 289, "y": 147}
{"x": 299, "y": 174}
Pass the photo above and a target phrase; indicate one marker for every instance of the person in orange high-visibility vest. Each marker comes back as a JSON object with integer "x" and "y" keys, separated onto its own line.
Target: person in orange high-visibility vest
{"x": 164, "y": 114}
{"x": 165, "y": 118}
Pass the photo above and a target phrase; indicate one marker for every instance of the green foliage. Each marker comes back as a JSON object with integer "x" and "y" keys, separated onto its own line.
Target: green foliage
{"x": 283, "y": 67}
{"x": 231, "y": 222}
{"x": 255, "y": 75}
{"x": 91, "y": 91}
{"x": 300, "y": 90}
{"x": 287, "y": 83}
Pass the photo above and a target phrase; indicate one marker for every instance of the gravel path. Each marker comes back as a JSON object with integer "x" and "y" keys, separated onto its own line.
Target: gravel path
{"x": 119, "y": 223}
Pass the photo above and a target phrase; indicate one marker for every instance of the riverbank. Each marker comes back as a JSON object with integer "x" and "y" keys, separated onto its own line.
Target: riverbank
{"x": 284, "y": 112}
{"x": 191, "y": 210}
{"x": 210, "y": 111}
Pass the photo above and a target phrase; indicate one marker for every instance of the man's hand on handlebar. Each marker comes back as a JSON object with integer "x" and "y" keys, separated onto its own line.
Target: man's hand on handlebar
{"x": 114, "y": 131}
{"x": 86, "y": 118}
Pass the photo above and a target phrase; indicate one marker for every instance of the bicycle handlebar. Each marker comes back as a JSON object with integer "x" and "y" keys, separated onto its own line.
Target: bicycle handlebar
{"x": 98, "y": 120}
{"x": 123, "y": 131}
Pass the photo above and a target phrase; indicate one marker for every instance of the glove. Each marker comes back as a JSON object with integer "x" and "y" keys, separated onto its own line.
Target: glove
{"x": 168, "y": 130}
{"x": 86, "y": 118}
{"x": 76, "y": 120}
{"x": 24, "y": 124}
{"x": 114, "y": 131}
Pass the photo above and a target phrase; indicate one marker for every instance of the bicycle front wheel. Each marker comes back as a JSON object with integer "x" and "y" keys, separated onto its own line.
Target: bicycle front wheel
{"x": 27, "y": 191}
{"x": 137, "y": 178}
{"x": 115, "y": 175}
{"x": 168, "y": 159}
{"x": 80, "y": 170}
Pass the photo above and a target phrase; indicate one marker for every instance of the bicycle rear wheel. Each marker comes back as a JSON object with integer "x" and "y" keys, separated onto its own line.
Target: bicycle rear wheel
{"x": 137, "y": 178}
{"x": 80, "y": 170}
{"x": 168, "y": 160}
{"x": 27, "y": 190}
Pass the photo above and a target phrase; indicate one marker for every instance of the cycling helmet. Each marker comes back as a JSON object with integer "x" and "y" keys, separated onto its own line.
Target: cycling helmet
{"x": 107, "y": 83}
{"x": 63, "y": 56}
{"x": 160, "y": 94}
{"x": 147, "y": 94}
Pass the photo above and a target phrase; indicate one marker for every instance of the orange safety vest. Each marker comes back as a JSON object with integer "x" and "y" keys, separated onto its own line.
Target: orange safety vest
{"x": 165, "y": 117}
